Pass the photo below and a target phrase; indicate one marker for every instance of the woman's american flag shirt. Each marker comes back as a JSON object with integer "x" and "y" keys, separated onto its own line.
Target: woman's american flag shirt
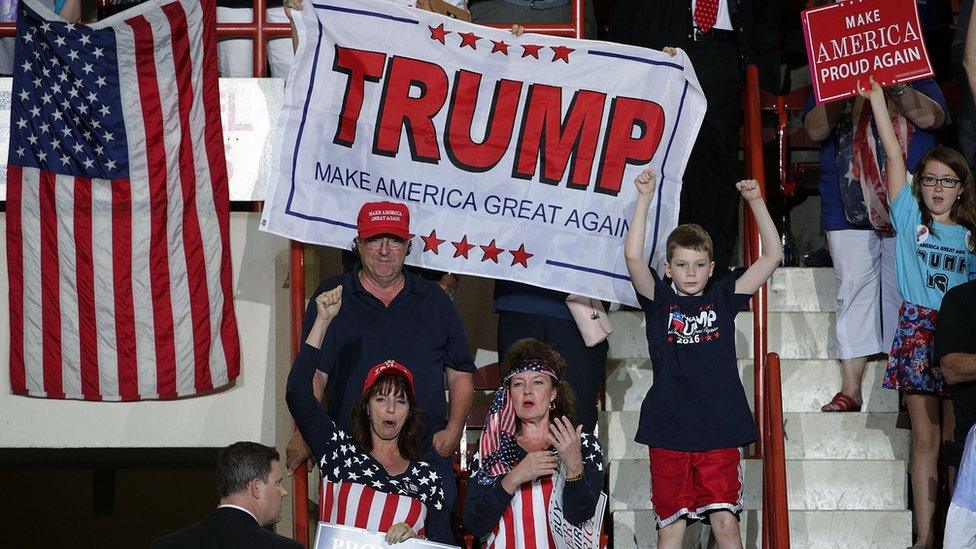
{"x": 357, "y": 491}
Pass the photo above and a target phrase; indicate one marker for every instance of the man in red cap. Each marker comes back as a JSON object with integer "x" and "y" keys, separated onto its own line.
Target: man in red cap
{"x": 388, "y": 312}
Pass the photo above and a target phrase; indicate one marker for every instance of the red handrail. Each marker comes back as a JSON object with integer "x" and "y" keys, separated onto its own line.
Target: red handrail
{"x": 755, "y": 165}
{"x": 766, "y": 371}
{"x": 297, "y": 294}
{"x": 776, "y": 517}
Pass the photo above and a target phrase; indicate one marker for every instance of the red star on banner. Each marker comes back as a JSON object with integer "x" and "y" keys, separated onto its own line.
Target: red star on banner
{"x": 708, "y": 338}
{"x": 469, "y": 39}
{"x": 499, "y": 46}
{"x": 431, "y": 242}
{"x": 462, "y": 248}
{"x": 670, "y": 339}
{"x": 520, "y": 256}
{"x": 491, "y": 251}
{"x": 438, "y": 33}
{"x": 561, "y": 52}
{"x": 529, "y": 49}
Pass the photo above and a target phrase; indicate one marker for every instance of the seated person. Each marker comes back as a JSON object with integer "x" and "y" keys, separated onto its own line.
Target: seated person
{"x": 529, "y": 438}
{"x": 249, "y": 485}
{"x": 372, "y": 477}
{"x": 960, "y": 529}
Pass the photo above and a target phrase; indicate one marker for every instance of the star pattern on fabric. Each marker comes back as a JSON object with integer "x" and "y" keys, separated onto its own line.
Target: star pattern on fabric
{"x": 65, "y": 122}
{"x": 561, "y": 53}
{"x": 431, "y": 242}
{"x": 530, "y": 49}
{"x": 469, "y": 39}
{"x": 439, "y": 33}
{"x": 461, "y": 248}
{"x": 419, "y": 481}
{"x": 491, "y": 251}
{"x": 499, "y": 46}
{"x": 520, "y": 256}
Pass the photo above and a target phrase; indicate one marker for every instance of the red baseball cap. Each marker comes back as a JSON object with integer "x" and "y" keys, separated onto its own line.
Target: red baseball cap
{"x": 388, "y": 367}
{"x": 384, "y": 218}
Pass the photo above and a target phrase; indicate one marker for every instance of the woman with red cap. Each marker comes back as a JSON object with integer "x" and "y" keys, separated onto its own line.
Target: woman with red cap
{"x": 372, "y": 477}
{"x": 535, "y": 471}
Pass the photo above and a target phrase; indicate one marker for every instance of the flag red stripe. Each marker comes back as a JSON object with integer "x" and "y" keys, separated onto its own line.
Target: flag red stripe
{"x": 528, "y": 521}
{"x": 546, "y": 494}
{"x": 325, "y": 510}
{"x": 159, "y": 245}
{"x": 343, "y": 500}
{"x": 50, "y": 288}
{"x": 414, "y": 515}
{"x": 85, "y": 286}
{"x": 15, "y": 276}
{"x": 509, "y": 527}
{"x": 364, "y": 506}
{"x": 125, "y": 328}
{"x": 214, "y": 142}
{"x": 389, "y": 512}
{"x": 192, "y": 239}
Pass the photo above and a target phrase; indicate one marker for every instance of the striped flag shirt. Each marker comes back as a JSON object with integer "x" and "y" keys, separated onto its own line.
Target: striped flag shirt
{"x": 357, "y": 491}
{"x": 117, "y": 207}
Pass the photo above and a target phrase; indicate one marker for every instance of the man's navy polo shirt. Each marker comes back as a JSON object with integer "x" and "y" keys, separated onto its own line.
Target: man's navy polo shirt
{"x": 420, "y": 329}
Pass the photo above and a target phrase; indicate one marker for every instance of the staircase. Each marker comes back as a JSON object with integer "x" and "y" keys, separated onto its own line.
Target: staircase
{"x": 847, "y": 473}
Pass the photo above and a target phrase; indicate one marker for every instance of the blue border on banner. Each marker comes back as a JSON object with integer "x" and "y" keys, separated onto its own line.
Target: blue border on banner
{"x": 635, "y": 58}
{"x": 585, "y": 269}
{"x": 581, "y": 268}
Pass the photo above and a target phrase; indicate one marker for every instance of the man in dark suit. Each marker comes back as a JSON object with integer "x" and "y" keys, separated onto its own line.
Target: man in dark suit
{"x": 249, "y": 486}
{"x": 720, "y": 37}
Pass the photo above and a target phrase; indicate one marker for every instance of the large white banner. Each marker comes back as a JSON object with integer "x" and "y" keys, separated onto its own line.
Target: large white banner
{"x": 516, "y": 156}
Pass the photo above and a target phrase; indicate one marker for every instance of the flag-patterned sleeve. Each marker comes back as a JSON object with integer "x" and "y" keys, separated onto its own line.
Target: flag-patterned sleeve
{"x": 485, "y": 501}
{"x": 580, "y": 497}
{"x": 316, "y": 427}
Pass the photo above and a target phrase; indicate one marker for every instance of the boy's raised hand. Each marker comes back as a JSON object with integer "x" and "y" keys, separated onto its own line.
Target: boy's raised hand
{"x": 646, "y": 181}
{"x": 874, "y": 91}
{"x": 749, "y": 189}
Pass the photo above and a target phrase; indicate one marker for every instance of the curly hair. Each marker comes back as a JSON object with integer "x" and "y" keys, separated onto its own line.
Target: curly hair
{"x": 412, "y": 432}
{"x": 528, "y": 349}
{"x": 963, "y": 210}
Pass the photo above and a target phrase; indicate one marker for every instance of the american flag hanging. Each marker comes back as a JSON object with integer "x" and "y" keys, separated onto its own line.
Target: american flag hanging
{"x": 117, "y": 207}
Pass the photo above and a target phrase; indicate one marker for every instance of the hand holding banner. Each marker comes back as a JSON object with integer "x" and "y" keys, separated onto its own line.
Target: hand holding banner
{"x": 515, "y": 155}
{"x": 849, "y": 41}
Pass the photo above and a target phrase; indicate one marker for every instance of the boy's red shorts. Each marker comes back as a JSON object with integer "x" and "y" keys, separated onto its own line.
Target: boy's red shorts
{"x": 693, "y": 484}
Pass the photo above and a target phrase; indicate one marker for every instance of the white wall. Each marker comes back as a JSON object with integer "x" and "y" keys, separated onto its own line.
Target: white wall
{"x": 246, "y": 411}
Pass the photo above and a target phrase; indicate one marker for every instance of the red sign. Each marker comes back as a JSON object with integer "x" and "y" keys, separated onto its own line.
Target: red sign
{"x": 849, "y": 41}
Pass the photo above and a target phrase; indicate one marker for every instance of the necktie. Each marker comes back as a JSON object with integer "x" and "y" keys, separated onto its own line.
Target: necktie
{"x": 706, "y": 12}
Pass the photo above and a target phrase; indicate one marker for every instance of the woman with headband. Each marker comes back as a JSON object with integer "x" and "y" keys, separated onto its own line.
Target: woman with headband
{"x": 529, "y": 439}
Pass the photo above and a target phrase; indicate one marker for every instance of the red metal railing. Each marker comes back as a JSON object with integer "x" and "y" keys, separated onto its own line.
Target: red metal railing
{"x": 766, "y": 373}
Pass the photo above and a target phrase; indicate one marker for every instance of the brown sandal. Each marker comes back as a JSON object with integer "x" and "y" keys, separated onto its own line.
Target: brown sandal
{"x": 841, "y": 403}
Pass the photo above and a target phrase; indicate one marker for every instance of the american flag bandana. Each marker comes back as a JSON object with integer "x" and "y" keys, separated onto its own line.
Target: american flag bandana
{"x": 497, "y": 445}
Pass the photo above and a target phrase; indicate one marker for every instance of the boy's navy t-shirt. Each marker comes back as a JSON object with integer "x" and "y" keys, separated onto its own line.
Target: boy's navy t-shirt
{"x": 697, "y": 402}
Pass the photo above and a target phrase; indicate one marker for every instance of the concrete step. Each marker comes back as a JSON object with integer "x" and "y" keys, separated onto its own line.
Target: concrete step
{"x": 794, "y": 335}
{"x": 853, "y": 436}
{"x": 807, "y": 384}
{"x": 812, "y": 485}
{"x": 803, "y": 289}
{"x": 808, "y": 530}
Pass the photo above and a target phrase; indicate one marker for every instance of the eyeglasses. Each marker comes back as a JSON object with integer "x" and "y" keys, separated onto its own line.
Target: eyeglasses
{"x": 392, "y": 242}
{"x": 946, "y": 182}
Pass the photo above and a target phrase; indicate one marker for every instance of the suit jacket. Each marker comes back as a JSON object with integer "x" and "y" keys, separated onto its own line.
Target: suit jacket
{"x": 659, "y": 23}
{"x": 225, "y": 528}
